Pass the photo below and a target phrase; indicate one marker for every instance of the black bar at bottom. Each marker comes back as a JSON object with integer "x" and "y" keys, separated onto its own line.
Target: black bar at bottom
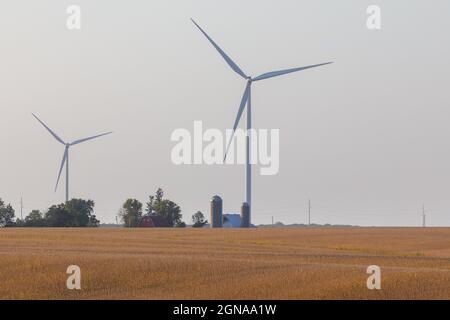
{"x": 233, "y": 309}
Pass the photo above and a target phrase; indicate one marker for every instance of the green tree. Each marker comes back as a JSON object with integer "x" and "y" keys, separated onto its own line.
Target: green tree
{"x": 159, "y": 195}
{"x": 19, "y": 223}
{"x": 93, "y": 221}
{"x": 131, "y": 213}
{"x": 198, "y": 220}
{"x": 34, "y": 219}
{"x": 58, "y": 216}
{"x": 80, "y": 212}
{"x": 7, "y": 215}
{"x": 74, "y": 213}
{"x": 163, "y": 207}
{"x": 169, "y": 210}
{"x": 153, "y": 201}
{"x": 150, "y": 205}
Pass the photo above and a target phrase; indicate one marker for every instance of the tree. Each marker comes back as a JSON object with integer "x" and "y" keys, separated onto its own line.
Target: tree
{"x": 34, "y": 219}
{"x": 74, "y": 213}
{"x": 169, "y": 210}
{"x": 7, "y": 215}
{"x": 181, "y": 224}
{"x": 153, "y": 201}
{"x": 131, "y": 213}
{"x": 19, "y": 223}
{"x": 159, "y": 196}
{"x": 198, "y": 220}
{"x": 80, "y": 211}
{"x": 58, "y": 216}
{"x": 150, "y": 205}
{"x": 93, "y": 221}
{"x": 157, "y": 205}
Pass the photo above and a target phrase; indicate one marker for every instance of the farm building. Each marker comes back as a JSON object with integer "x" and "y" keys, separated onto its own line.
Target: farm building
{"x": 153, "y": 221}
{"x": 232, "y": 220}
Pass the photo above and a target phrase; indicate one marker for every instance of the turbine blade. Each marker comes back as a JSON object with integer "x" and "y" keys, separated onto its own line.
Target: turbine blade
{"x": 281, "y": 72}
{"x": 230, "y": 62}
{"x": 90, "y": 138}
{"x": 63, "y": 162}
{"x": 238, "y": 116}
{"x": 49, "y": 130}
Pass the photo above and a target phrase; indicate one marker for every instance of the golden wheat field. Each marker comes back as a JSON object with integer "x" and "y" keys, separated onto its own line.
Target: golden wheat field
{"x": 265, "y": 263}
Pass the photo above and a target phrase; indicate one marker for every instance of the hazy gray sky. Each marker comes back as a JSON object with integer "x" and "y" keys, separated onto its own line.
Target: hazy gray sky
{"x": 365, "y": 138}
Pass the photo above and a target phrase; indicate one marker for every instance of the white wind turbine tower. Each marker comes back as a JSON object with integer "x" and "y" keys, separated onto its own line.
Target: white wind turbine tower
{"x": 65, "y": 160}
{"x": 247, "y": 101}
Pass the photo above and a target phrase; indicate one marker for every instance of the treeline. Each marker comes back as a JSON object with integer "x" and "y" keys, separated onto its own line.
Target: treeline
{"x": 80, "y": 213}
{"x": 74, "y": 213}
{"x": 132, "y": 212}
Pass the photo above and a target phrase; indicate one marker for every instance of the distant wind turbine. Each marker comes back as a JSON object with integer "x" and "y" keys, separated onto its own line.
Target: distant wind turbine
{"x": 65, "y": 160}
{"x": 247, "y": 101}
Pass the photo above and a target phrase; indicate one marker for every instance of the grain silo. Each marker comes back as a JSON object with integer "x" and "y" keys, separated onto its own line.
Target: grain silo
{"x": 245, "y": 215}
{"x": 216, "y": 212}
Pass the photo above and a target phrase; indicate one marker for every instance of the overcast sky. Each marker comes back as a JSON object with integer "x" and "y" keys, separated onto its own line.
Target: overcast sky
{"x": 365, "y": 138}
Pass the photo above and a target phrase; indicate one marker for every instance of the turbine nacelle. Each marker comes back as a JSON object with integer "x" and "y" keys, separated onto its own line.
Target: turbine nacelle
{"x": 246, "y": 101}
{"x": 249, "y": 79}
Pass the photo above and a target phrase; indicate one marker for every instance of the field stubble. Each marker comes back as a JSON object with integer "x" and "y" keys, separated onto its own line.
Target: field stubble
{"x": 288, "y": 263}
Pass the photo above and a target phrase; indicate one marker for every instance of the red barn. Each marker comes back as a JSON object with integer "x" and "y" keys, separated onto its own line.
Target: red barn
{"x": 153, "y": 221}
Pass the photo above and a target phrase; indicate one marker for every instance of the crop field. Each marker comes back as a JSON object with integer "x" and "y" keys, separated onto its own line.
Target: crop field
{"x": 264, "y": 263}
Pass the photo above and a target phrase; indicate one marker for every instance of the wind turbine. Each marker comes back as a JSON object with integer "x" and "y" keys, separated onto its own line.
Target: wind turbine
{"x": 247, "y": 101}
{"x": 65, "y": 160}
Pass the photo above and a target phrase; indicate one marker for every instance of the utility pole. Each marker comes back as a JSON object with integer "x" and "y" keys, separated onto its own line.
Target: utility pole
{"x": 423, "y": 216}
{"x": 272, "y": 221}
{"x": 309, "y": 212}
{"x": 21, "y": 208}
